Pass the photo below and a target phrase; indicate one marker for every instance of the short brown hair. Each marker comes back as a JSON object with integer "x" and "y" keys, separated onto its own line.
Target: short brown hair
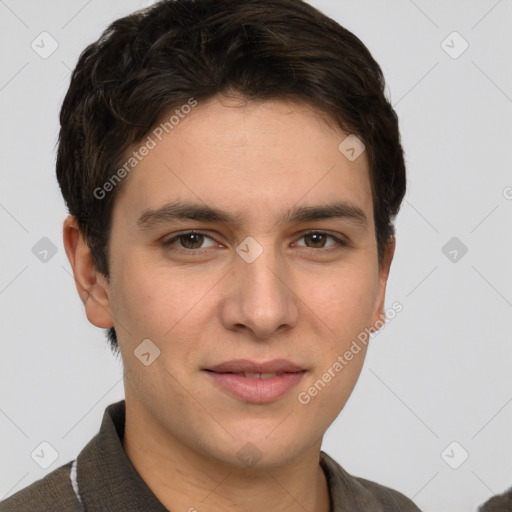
{"x": 155, "y": 60}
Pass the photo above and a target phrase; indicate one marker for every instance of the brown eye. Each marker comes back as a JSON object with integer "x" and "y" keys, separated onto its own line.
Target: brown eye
{"x": 191, "y": 240}
{"x": 321, "y": 240}
{"x": 315, "y": 240}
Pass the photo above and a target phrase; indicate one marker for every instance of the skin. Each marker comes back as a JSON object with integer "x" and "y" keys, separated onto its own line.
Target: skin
{"x": 303, "y": 299}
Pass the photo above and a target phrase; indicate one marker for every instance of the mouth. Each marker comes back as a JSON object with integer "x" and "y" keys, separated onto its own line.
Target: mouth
{"x": 256, "y": 375}
{"x": 249, "y": 367}
{"x": 254, "y": 382}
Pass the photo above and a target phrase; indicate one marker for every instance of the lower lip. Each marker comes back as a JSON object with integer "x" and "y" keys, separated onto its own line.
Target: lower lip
{"x": 258, "y": 391}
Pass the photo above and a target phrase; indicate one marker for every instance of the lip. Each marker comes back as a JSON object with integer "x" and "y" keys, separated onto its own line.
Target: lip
{"x": 256, "y": 390}
{"x": 248, "y": 366}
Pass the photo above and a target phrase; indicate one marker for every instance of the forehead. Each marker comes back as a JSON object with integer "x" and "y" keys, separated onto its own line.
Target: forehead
{"x": 245, "y": 157}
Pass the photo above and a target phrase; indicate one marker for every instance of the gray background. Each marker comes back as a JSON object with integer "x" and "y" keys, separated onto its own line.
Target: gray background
{"x": 439, "y": 372}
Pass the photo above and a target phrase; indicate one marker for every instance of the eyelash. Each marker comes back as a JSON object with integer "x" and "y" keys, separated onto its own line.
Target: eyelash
{"x": 167, "y": 243}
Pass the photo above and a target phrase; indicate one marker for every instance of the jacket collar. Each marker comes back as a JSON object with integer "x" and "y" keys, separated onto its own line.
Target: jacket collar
{"x": 107, "y": 480}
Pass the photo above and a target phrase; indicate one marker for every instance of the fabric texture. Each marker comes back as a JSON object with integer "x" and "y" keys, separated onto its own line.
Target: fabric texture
{"x": 104, "y": 480}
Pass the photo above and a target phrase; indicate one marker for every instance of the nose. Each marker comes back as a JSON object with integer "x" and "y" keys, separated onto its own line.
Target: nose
{"x": 260, "y": 297}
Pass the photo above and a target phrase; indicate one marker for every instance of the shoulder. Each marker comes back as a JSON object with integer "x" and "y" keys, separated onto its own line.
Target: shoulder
{"x": 51, "y": 493}
{"x": 356, "y": 494}
{"x": 501, "y": 503}
{"x": 389, "y": 499}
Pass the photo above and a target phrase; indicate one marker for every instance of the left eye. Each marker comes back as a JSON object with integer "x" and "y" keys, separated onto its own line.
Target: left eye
{"x": 318, "y": 240}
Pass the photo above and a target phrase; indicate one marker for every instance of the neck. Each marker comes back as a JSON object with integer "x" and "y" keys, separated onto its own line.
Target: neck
{"x": 183, "y": 479}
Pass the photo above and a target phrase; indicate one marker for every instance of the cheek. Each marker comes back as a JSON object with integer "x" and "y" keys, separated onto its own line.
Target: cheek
{"x": 153, "y": 302}
{"x": 345, "y": 309}
{"x": 345, "y": 303}
{"x": 142, "y": 301}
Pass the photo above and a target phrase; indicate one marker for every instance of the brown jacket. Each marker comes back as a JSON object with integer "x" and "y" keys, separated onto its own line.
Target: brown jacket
{"x": 501, "y": 503}
{"x": 103, "y": 479}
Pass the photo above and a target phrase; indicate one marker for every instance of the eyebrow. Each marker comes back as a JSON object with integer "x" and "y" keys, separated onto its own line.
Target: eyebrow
{"x": 169, "y": 212}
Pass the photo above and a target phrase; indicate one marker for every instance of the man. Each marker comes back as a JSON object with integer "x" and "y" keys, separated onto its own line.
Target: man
{"x": 232, "y": 170}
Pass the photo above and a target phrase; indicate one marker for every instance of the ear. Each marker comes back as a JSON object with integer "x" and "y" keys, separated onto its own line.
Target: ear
{"x": 93, "y": 287}
{"x": 378, "y": 312}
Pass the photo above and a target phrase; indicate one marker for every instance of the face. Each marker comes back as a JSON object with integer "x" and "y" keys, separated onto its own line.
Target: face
{"x": 244, "y": 243}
